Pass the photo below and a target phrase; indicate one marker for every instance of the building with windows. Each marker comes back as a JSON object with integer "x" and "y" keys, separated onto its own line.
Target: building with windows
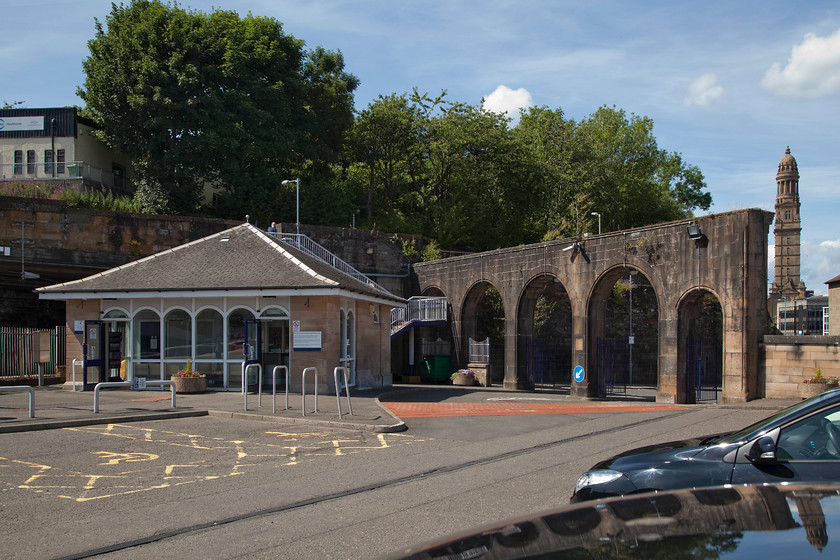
{"x": 802, "y": 316}
{"x": 833, "y": 328}
{"x": 57, "y": 144}
{"x": 237, "y": 297}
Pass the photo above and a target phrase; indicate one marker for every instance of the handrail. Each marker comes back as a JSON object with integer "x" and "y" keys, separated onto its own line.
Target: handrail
{"x": 31, "y": 396}
{"x": 127, "y": 384}
{"x": 245, "y": 379}
{"x": 418, "y": 308}
{"x": 338, "y": 391}
{"x": 303, "y": 389}
{"x": 310, "y": 247}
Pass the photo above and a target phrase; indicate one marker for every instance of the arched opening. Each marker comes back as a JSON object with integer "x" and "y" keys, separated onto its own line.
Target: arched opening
{"x": 544, "y": 337}
{"x": 435, "y": 344}
{"x": 624, "y": 328}
{"x": 700, "y": 347}
{"x": 483, "y": 320}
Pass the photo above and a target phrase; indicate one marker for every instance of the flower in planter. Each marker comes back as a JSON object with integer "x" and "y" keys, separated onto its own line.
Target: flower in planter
{"x": 187, "y": 372}
{"x": 462, "y": 372}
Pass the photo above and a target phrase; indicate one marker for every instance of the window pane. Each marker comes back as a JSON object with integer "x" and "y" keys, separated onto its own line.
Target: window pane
{"x": 146, "y": 335}
{"x": 236, "y": 333}
{"x": 209, "y": 335}
{"x": 178, "y": 334}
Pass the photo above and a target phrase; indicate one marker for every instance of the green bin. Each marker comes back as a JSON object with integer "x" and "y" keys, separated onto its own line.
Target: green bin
{"x": 437, "y": 368}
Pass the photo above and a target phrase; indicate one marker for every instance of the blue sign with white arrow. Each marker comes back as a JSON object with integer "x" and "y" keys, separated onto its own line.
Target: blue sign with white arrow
{"x": 579, "y": 374}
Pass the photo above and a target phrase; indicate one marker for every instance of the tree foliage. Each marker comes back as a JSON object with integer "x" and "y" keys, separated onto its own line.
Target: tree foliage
{"x": 197, "y": 99}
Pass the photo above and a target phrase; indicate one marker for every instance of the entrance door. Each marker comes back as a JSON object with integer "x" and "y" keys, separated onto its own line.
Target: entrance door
{"x": 348, "y": 346}
{"x": 94, "y": 369}
{"x": 252, "y": 351}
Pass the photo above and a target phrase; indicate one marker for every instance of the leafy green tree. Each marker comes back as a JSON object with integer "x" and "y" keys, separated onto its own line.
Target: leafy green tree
{"x": 607, "y": 163}
{"x": 197, "y": 99}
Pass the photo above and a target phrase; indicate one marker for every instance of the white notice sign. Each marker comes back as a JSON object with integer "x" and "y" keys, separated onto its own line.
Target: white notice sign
{"x": 307, "y": 340}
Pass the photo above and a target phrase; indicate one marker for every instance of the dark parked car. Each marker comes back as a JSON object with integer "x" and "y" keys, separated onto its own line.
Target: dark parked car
{"x": 798, "y": 444}
{"x": 734, "y": 522}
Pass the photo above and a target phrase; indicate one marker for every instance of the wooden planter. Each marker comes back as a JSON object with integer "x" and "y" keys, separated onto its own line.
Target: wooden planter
{"x": 808, "y": 390}
{"x": 463, "y": 379}
{"x": 190, "y": 384}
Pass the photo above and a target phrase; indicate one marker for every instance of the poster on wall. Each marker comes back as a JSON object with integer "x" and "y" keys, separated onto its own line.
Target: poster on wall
{"x": 307, "y": 340}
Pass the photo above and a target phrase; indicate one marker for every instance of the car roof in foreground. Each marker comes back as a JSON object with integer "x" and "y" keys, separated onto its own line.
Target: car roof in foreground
{"x": 774, "y": 521}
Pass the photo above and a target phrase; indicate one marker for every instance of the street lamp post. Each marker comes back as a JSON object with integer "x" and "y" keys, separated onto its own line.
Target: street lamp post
{"x": 630, "y": 339}
{"x": 297, "y": 201}
{"x": 599, "y": 221}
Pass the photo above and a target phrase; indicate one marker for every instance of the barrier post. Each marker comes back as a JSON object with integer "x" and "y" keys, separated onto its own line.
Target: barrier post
{"x": 274, "y": 388}
{"x": 31, "y": 396}
{"x": 338, "y": 390}
{"x": 106, "y": 384}
{"x": 245, "y": 379}
{"x": 171, "y": 388}
{"x": 74, "y": 371}
{"x": 303, "y": 389}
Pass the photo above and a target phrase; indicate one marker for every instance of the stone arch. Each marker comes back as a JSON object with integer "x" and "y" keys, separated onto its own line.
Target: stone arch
{"x": 699, "y": 347}
{"x": 544, "y": 334}
{"x": 623, "y": 318}
{"x": 483, "y": 316}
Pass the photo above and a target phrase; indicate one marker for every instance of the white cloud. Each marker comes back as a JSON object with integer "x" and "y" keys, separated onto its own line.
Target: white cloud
{"x": 820, "y": 263}
{"x": 703, "y": 91}
{"x": 506, "y": 100}
{"x": 812, "y": 70}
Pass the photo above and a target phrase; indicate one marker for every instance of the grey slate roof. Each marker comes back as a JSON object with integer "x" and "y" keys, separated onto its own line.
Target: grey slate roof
{"x": 240, "y": 258}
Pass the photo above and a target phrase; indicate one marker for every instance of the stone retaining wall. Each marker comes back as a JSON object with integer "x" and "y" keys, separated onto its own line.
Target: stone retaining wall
{"x": 789, "y": 360}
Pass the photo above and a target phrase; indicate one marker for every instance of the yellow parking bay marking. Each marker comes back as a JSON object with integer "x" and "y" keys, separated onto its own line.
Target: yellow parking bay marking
{"x": 121, "y": 471}
{"x": 116, "y": 458}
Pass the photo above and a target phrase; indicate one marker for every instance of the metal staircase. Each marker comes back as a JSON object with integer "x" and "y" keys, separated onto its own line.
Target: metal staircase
{"x": 419, "y": 310}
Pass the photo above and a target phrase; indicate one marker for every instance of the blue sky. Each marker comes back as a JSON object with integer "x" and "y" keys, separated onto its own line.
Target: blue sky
{"x": 729, "y": 85}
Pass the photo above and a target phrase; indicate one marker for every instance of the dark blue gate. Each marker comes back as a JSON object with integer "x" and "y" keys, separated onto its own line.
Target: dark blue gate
{"x": 546, "y": 365}
{"x": 611, "y": 366}
{"x": 703, "y": 369}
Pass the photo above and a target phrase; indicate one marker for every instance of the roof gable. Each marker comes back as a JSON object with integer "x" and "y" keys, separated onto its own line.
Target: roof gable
{"x": 239, "y": 258}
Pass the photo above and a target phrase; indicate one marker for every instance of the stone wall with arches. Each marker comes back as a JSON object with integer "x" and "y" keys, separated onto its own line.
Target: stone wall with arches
{"x": 711, "y": 275}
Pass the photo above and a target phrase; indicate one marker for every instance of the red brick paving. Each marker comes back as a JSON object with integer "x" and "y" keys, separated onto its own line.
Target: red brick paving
{"x": 446, "y": 409}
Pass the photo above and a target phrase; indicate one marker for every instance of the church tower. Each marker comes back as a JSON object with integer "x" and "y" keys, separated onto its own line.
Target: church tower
{"x": 786, "y": 282}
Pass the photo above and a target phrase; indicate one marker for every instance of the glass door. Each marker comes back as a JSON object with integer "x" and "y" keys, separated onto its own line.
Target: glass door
{"x": 252, "y": 349}
{"x": 94, "y": 370}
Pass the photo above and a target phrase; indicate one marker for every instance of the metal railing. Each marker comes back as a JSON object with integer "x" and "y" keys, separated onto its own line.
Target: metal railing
{"x": 17, "y": 352}
{"x": 66, "y": 171}
{"x": 418, "y": 309}
{"x": 307, "y": 245}
{"x": 479, "y": 351}
{"x": 32, "y": 397}
{"x": 128, "y": 384}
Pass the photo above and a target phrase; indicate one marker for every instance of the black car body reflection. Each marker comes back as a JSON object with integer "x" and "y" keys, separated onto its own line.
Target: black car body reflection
{"x": 798, "y": 444}
{"x": 734, "y": 522}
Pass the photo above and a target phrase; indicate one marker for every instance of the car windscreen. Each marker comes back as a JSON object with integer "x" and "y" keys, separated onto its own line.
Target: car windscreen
{"x": 771, "y": 422}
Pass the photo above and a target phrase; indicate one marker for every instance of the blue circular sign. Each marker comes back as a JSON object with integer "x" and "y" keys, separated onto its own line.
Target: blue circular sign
{"x": 579, "y": 374}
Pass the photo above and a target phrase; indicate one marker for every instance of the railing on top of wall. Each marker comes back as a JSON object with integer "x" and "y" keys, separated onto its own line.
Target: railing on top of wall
{"x": 307, "y": 245}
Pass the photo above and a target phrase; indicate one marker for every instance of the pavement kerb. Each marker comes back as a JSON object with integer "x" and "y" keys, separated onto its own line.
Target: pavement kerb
{"x": 34, "y": 424}
{"x": 376, "y": 428}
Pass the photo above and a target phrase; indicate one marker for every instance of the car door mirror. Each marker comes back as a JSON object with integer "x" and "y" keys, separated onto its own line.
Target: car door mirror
{"x": 762, "y": 450}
